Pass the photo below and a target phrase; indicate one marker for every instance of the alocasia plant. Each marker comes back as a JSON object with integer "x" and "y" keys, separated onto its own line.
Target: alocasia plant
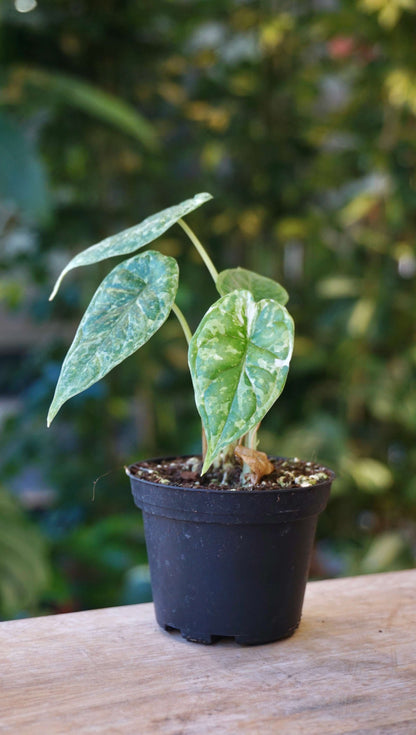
{"x": 238, "y": 356}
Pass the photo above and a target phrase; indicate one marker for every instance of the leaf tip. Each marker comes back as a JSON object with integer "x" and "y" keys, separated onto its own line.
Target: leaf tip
{"x": 206, "y": 465}
{"x": 60, "y": 279}
{"x": 55, "y": 289}
{"x": 51, "y": 414}
{"x": 203, "y": 196}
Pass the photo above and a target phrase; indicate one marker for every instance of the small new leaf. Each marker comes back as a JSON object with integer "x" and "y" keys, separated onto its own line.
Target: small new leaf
{"x": 239, "y": 359}
{"x": 259, "y": 286}
{"x": 134, "y": 238}
{"x": 128, "y": 307}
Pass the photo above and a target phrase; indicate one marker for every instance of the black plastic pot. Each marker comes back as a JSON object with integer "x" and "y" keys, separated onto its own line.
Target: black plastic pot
{"x": 229, "y": 563}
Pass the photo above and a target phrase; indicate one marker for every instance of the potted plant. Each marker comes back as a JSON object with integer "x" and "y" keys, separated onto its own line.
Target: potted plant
{"x": 229, "y": 533}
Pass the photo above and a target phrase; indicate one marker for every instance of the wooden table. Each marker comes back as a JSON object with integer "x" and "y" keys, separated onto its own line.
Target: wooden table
{"x": 350, "y": 668}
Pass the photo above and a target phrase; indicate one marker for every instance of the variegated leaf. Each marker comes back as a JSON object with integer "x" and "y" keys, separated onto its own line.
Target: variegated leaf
{"x": 128, "y": 307}
{"x": 239, "y": 359}
{"x": 260, "y": 286}
{"x": 134, "y": 238}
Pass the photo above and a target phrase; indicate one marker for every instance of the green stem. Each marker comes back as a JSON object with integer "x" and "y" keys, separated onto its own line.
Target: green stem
{"x": 252, "y": 440}
{"x": 182, "y": 321}
{"x": 201, "y": 250}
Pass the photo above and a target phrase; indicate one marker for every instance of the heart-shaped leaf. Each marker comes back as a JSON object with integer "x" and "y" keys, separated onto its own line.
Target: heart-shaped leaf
{"x": 260, "y": 286}
{"x": 134, "y": 238}
{"x": 128, "y": 307}
{"x": 239, "y": 359}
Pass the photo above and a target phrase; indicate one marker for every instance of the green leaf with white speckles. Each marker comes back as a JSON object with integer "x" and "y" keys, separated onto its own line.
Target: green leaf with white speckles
{"x": 128, "y": 241}
{"x": 260, "y": 286}
{"x": 128, "y": 307}
{"x": 239, "y": 359}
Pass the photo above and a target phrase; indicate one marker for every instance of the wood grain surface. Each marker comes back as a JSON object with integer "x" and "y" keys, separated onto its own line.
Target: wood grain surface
{"x": 350, "y": 668}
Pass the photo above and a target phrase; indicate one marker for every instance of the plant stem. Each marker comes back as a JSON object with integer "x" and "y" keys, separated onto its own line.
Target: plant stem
{"x": 182, "y": 321}
{"x": 201, "y": 250}
{"x": 252, "y": 440}
{"x": 188, "y": 334}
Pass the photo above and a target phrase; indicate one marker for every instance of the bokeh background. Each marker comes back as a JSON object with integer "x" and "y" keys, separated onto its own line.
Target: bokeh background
{"x": 300, "y": 119}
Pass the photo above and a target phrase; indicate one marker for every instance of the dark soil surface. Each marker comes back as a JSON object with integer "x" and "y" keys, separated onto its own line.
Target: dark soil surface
{"x": 185, "y": 472}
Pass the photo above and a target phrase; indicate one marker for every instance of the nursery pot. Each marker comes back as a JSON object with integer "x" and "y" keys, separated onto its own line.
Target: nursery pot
{"x": 229, "y": 563}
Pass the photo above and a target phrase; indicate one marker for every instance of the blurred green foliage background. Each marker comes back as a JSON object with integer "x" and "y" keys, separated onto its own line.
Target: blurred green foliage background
{"x": 300, "y": 119}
